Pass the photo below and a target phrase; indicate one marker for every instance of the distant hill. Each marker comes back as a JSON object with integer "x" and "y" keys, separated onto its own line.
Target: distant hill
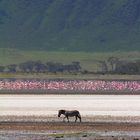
{"x": 70, "y": 25}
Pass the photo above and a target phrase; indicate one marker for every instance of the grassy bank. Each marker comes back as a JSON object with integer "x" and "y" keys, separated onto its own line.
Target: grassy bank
{"x": 88, "y": 60}
{"x": 68, "y": 76}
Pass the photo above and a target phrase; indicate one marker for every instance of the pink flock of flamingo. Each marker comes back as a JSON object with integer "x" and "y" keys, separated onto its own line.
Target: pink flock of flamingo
{"x": 73, "y": 85}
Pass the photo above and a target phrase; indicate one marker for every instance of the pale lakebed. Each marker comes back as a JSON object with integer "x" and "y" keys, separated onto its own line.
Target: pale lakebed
{"x": 88, "y": 105}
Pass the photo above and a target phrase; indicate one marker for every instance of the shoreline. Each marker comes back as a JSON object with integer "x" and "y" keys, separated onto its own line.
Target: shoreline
{"x": 91, "y": 128}
{"x": 72, "y": 130}
{"x": 30, "y": 122}
{"x": 56, "y": 119}
{"x": 67, "y": 92}
{"x": 64, "y": 126}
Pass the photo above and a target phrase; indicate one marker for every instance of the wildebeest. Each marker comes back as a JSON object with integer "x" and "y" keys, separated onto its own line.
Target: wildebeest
{"x": 68, "y": 114}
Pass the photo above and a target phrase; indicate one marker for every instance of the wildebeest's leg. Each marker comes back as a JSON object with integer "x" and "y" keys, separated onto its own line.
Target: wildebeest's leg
{"x": 67, "y": 118}
{"x": 79, "y": 117}
{"x": 64, "y": 118}
{"x": 76, "y": 118}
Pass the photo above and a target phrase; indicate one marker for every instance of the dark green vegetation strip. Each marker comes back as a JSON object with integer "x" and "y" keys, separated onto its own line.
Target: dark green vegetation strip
{"x": 43, "y": 76}
{"x": 66, "y": 134}
{"x": 53, "y": 92}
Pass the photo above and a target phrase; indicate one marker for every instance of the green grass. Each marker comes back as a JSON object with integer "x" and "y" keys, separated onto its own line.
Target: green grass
{"x": 67, "y": 134}
{"x": 88, "y": 60}
{"x": 69, "y": 76}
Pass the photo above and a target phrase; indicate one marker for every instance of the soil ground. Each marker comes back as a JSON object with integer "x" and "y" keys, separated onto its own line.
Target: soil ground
{"x": 27, "y": 129}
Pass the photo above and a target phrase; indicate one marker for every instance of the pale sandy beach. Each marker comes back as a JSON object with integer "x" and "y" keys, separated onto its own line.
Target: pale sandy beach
{"x": 103, "y": 117}
{"x": 88, "y": 105}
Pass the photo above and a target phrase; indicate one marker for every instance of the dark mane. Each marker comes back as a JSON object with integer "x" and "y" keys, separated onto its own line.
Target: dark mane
{"x": 62, "y": 111}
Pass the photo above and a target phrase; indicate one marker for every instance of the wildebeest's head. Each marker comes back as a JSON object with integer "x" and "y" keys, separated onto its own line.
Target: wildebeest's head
{"x": 61, "y": 112}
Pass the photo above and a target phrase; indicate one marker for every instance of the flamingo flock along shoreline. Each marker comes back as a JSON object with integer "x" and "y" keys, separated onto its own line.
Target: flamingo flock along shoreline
{"x": 70, "y": 85}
